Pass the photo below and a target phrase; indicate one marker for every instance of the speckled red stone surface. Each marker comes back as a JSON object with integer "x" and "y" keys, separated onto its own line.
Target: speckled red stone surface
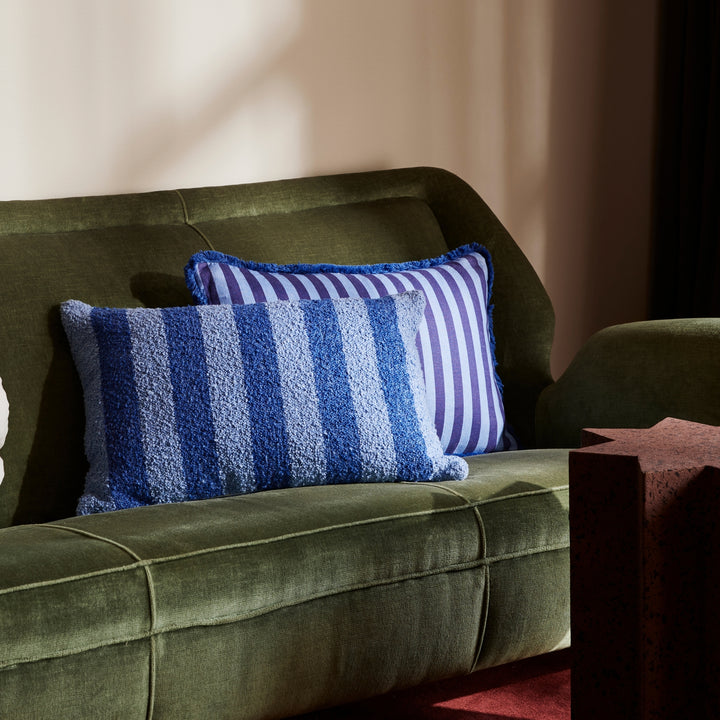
{"x": 644, "y": 509}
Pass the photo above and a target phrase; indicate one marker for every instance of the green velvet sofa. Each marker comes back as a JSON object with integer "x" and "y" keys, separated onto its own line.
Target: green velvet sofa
{"x": 275, "y": 603}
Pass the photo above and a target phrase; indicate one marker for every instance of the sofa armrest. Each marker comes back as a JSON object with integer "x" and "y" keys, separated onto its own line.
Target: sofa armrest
{"x": 635, "y": 375}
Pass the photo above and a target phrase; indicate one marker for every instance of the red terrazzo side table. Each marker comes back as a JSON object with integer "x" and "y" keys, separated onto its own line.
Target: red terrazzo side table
{"x": 644, "y": 517}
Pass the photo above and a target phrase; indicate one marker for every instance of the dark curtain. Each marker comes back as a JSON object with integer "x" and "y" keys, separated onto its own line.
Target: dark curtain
{"x": 685, "y": 278}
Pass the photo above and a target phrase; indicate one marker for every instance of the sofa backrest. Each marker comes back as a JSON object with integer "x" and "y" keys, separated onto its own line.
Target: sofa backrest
{"x": 130, "y": 250}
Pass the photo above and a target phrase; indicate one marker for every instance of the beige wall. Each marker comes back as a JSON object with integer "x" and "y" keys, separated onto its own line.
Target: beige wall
{"x": 544, "y": 106}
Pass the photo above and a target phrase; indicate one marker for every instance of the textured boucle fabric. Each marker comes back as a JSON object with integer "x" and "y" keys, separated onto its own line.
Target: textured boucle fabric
{"x": 454, "y": 341}
{"x": 194, "y": 402}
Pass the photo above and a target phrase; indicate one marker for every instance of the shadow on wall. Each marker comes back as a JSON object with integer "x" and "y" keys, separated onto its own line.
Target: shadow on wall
{"x": 150, "y": 95}
{"x": 286, "y": 88}
{"x": 544, "y": 106}
{"x": 561, "y": 101}
{"x": 233, "y": 114}
{"x": 133, "y": 96}
{"x": 600, "y": 167}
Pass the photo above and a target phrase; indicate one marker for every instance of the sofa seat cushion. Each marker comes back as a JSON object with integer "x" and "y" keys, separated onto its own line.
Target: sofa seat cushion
{"x": 217, "y": 596}
{"x": 522, "y": 499}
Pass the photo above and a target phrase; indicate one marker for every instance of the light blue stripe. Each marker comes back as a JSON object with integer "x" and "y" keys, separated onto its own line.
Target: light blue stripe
{"x": 161, "y": 445}
{"x": 306, "y": 450}
{"x": 438, "y": 368}
{"x": 407, "y": 326}
{"x": 377, "y": 447}
{"x": 226, "y": 383}
{"x": 221, "y": 286}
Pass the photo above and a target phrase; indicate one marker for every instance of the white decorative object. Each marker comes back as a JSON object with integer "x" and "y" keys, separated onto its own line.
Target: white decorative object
{"x": 4, "y": 414}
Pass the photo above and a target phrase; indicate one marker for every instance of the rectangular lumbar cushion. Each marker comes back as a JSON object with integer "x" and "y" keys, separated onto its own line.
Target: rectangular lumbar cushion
{"x": 194, "y": 402}
{"x": 454, "y": 340}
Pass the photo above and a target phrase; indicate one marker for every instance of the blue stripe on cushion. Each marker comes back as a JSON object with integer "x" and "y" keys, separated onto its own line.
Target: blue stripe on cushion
{"x": 202, "y": 277}
{"x": 340, "y": 431}
{"x": 264, "y": 395}
{"x": 409, "y": 442}
{"x": 300, "y": 289}
{"x": 255, "y": 287}
{"x": 123, "y": 434}
{"x": 280, "y": 293}
{"x": 193, "y": 415}
{"x": 338, "y": 284}
{"x": 221, "y": 275}
{"x": 361, "y": 289}
{"x": 321, "y": 289}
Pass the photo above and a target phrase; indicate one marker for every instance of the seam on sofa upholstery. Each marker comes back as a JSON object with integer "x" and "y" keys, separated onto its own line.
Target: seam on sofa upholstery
{"x": 71, "y": 578}
{"x": 258, "y": 612}
{"x": 488, "y": 561}
{"x": 550, "y": 547}
{"x": 248, "y": 543}
{"x": 215, "y": 548}
{"x": 536, "y": 550}
{"x": 145, "y": 564}
{"x": 152, "y": 605}
{"x": 486, "y": 572}
{"x": 190, "y": 224}
{"x": 293, "y": 535}
{"x": 526, "y": 493}
{"x": 241, "y": 617}
{"x": 383, "y": 192}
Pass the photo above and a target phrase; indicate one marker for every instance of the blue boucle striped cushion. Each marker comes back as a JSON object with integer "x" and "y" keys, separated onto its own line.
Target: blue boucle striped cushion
{"x": 454, "y": 340}
{"x": 195, "y": 402}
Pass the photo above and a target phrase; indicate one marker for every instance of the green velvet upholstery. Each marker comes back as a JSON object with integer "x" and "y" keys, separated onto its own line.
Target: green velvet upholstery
{"x": 269, "y": 605}
{"x": 211, "y": 606}
{"x": 635, "y": 375}
{"x": 131, "y": 250}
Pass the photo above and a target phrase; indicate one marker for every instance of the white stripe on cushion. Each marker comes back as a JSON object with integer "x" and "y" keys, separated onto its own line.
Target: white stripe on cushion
{"x": 300, "y": 400}
{"x": 376, "y": 438}
{"x": 228, "y": 399}
{"x": 161, "y": 444}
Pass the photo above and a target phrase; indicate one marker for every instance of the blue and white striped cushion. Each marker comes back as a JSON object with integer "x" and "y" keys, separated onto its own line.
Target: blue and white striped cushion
{"x": 195, "y": 402}
{"x": 455, "y": 341}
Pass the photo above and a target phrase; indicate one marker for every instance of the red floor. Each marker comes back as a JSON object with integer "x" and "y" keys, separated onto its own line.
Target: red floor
{"x": 535, "y": 689}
